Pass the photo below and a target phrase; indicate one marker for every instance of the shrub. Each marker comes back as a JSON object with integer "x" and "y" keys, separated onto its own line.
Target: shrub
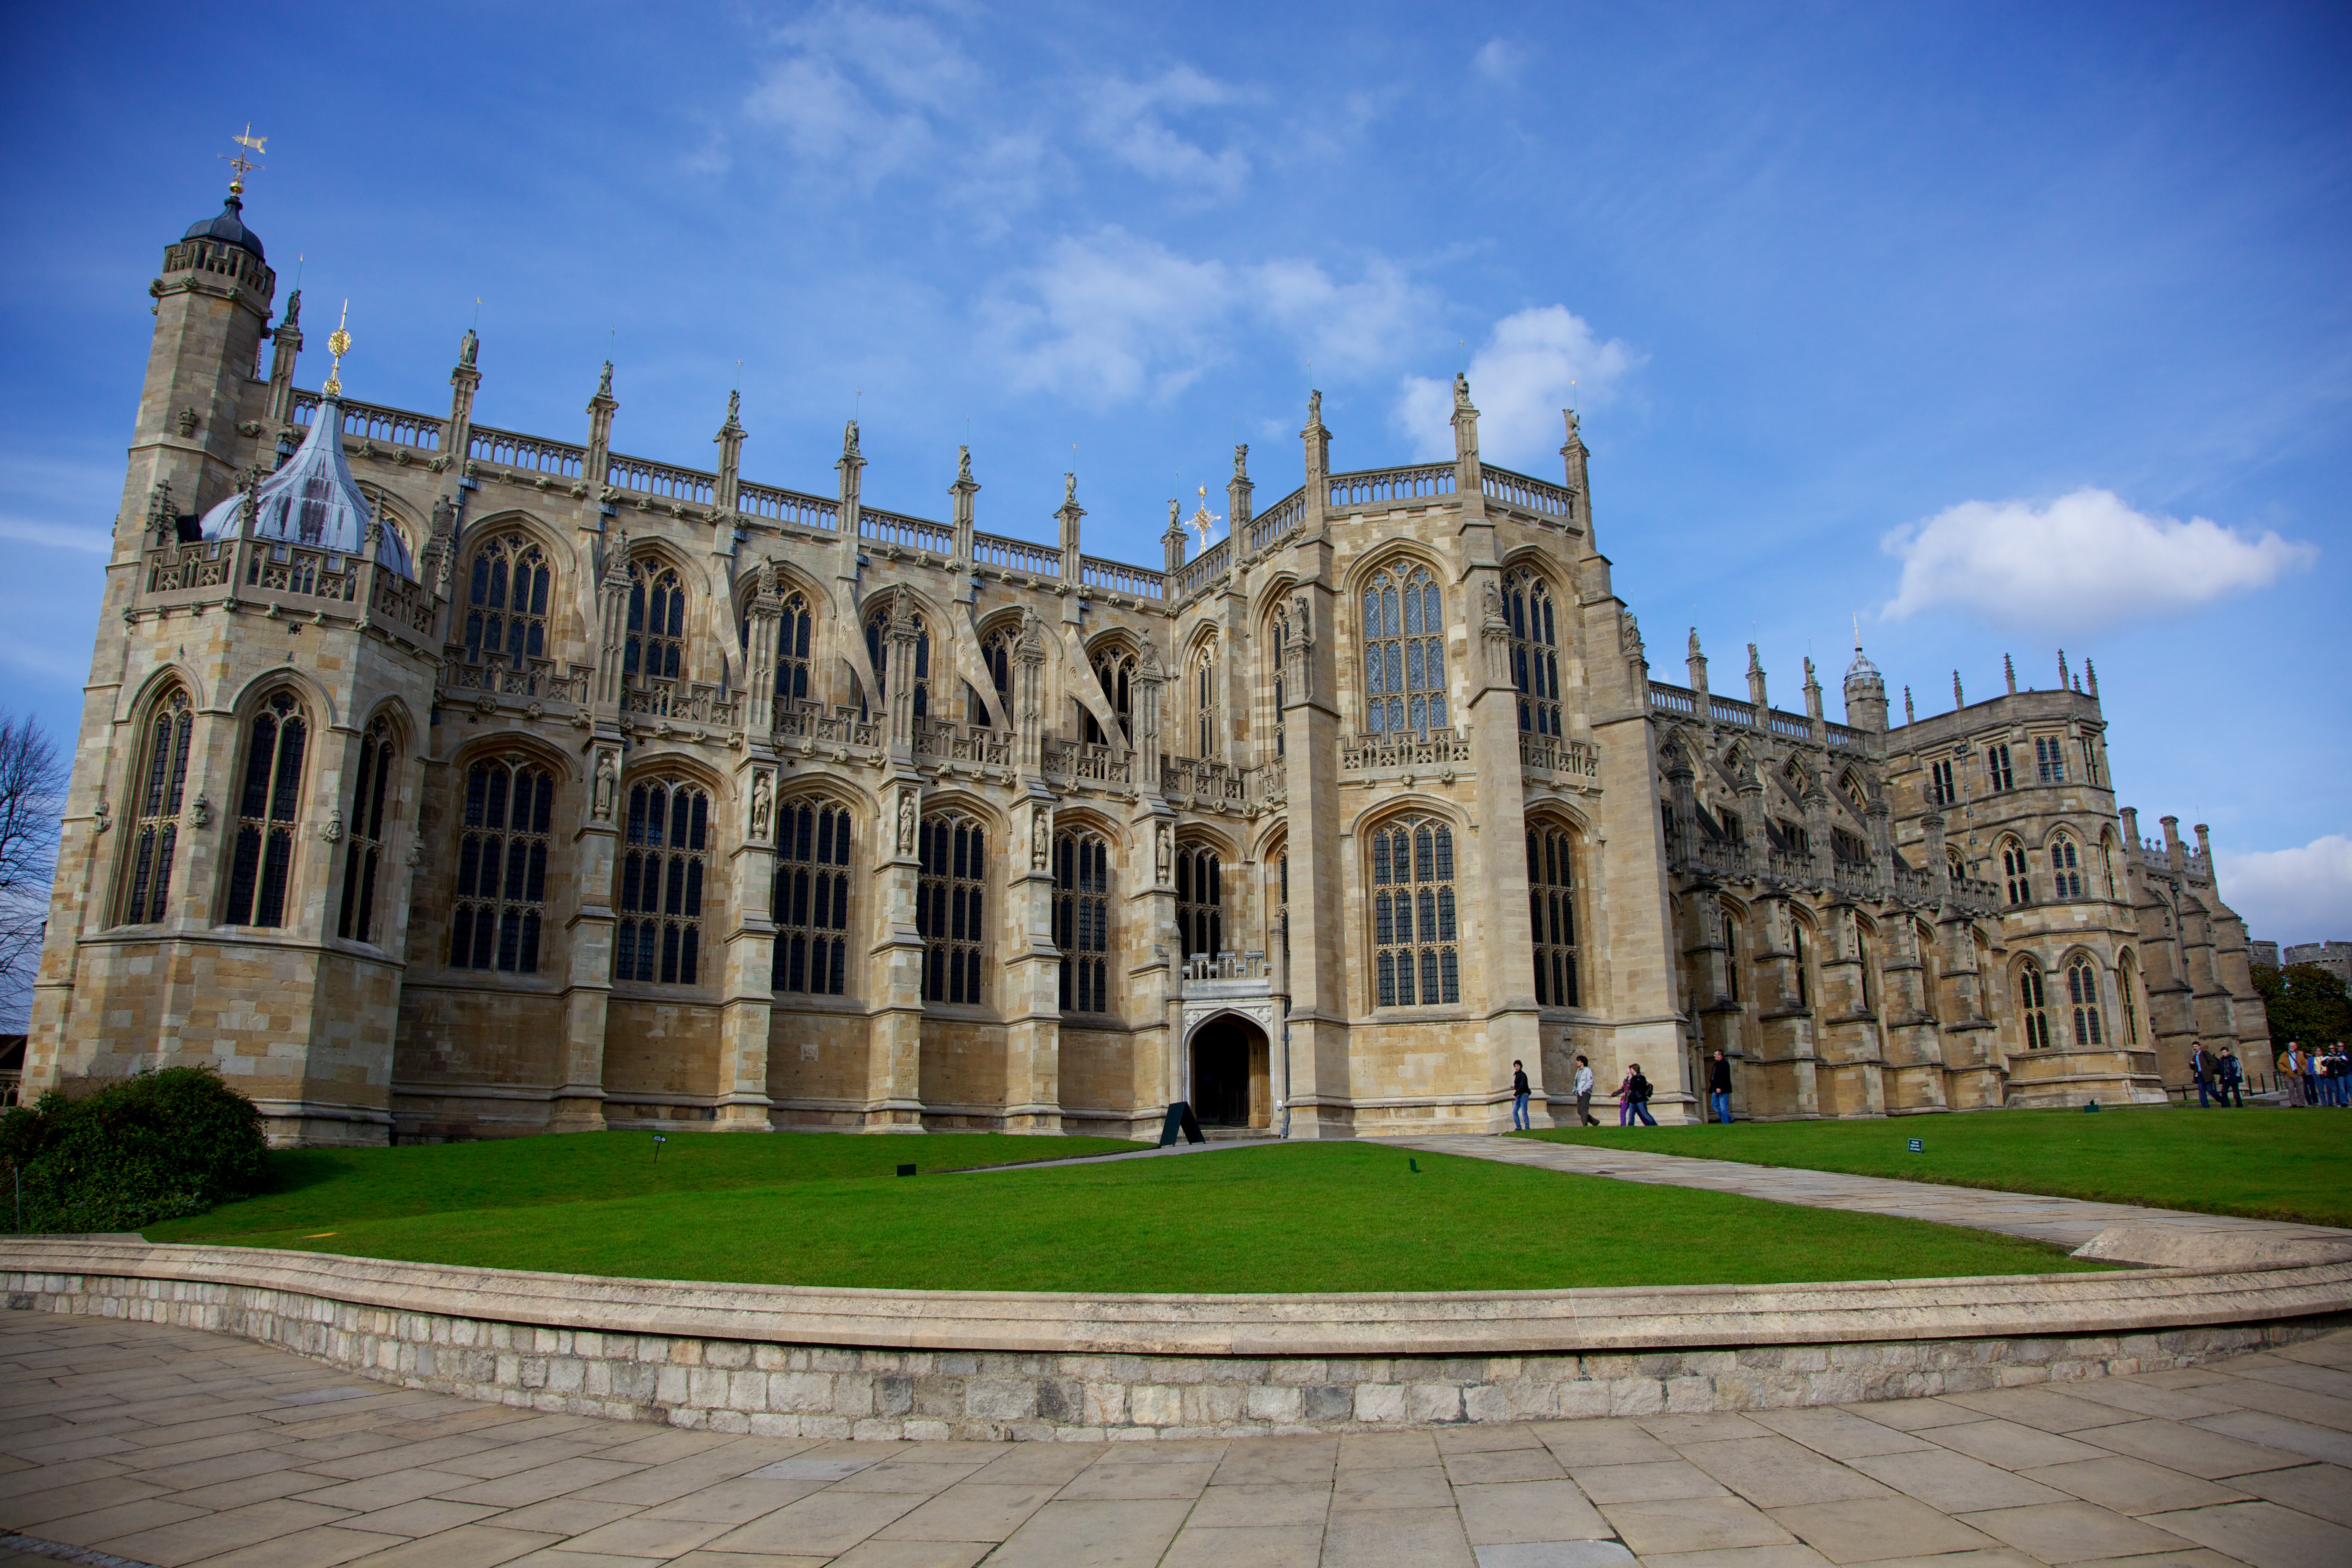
{"x": 153, "y": 1147}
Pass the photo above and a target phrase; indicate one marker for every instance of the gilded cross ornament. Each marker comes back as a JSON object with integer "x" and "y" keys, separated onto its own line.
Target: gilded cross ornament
{"x": 239, "y": 165}
{"x": 338, "y": 343}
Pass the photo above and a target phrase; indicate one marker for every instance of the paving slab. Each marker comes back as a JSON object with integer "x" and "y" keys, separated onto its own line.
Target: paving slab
{"x": 2232, "y": 1466}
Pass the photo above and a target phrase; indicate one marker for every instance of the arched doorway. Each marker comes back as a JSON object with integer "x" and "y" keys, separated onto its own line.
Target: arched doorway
{"x": 1230, "y": 1086}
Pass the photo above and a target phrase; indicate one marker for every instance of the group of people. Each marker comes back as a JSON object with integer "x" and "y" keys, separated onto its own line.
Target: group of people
{"x": 2322, "y": 1076}
{"x": 1632, "y": 1091}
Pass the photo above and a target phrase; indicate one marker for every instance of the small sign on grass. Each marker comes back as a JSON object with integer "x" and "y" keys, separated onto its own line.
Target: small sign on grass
{"x": 1918, "y": 1145}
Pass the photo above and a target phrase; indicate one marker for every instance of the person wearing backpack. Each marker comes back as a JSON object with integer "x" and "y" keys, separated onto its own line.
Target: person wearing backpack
{"x": 2232, "y": 1077}
{"x": 1638, "y": 1088}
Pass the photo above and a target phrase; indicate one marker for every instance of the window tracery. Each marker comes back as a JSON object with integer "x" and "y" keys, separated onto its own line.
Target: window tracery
{"x": 655, "y": 647}
{"x": 2066, "y": 869}
{"x": 2082, "y": 995}
{"x": 2015, "y": 869}
{"x": 1414, "y": 955}
{"x": 506, "y": 601}
{"x": 793, "y": 639}
{"x": 663, "y": 863}
{"x": 363, "y": 826}
{"x": 503, "y": 838}
{"x": 950, "y": 899}
{"x": 878, "y": 649}
{"x": 1404, "y": 652}
{"x": 263, "y": 864}
{"x": 1200, "y": 899}
{"x": 1535, "y": 650}
{"x": 2035, "y": 1003}
{"x": 162, "y": 780}
{"x": 1082, "y": 918}
{"x": 1204, "y": 698}
{"x": 1551, "y": 900}
{"x": 996, "y": 653}
{"x": 1115, "y": 667}
{"x": 812, "y": 899}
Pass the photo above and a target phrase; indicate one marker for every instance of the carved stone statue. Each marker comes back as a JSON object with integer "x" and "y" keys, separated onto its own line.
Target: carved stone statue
{"x": 1163, "y": 855}
{"x": 333, "y": 830}
{"x": 1314, "y": 410}
{"x": 603, "y": 382}
{"x": 608, "y": 784}
{"x": 1069, "y": 489}
{"x": 849, "y": 441}
{"x": 906, "y": 822}
{"x": 201, "y": 812}
{"x": 1041, "y": 837}
{"x": 467, "y": 346}
{"x": 762, "y": 806}
{"x": 1629, "y": 634}
{"x": 1241, "y": 461}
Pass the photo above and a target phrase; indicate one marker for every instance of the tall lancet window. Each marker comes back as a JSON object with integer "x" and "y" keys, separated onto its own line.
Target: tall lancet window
{"x": 656, "y": 649}
{"x": 503, "y": 836}
{"x": 2083, "y": 993}
{"x": 364, "y": 827}
{"x": 663, "y": 866}
{"x": 2034, "y": 1000}
{"x": 812, "y": 903}
{"x": 1082, "y": 919}
{"x": 1404, "y": 653}
{"x": 262, "y": 868}
{"x": 792, "y": 648}
{"x": 1200, "y": 901}
{"x": 1204, "y": 698}
{"x": 1535, "y": 651}
{"x": 506, "y": 602}
{"x": 1281, "y": 640}
{"x": 996, "y": 653}
{"x": 162, "y": 783}
{"x": 1551, "y": 909}
{"x": 951, "y": 897}
{"x": 1115, "y": 667}
{"x": 1413, "y": 926}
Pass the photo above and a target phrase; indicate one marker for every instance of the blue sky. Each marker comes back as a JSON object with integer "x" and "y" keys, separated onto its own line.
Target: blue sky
{"x": 2007, "y": 327}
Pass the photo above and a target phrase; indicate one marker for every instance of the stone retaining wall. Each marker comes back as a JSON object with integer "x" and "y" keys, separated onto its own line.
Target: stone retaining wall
{"x": 785, "y": 1389}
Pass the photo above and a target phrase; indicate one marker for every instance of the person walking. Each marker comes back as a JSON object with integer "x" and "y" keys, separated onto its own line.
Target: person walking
{"x": 1584, "y": 1093}
{"x": 1625, "y": 1097}
{"x": 2335, "y": 1077}
{"x": 2232, "y": 1078}
{"x": 1638, "y": 1088}
{"x": 1719, "y": 1087}
{"x": 2200, "y": 1062}
{"x": 2290, "y": 1071}
{"x": 1519, "y": 1092}
{"x": 2311, "y": 1076}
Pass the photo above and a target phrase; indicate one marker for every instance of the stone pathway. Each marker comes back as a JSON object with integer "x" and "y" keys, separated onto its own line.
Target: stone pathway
{"x": 173, "y": 1447}
{"x": 2069, "y": 1223}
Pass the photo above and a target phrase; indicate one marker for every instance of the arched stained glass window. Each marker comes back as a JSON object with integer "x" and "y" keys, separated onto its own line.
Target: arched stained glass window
{"x": 951, "y": 899}
{"x": 792, "y": 632}
{"x": 1404, "y": 653}
{"x": 2066, "y": 869}
{"x": 2016, "y": 871}
{"x": 506, "y": 602}
{"x": 1551, "y": 912}
{"x": 811, "y": 900}
{"x": 996, "y": 653}
{"x": 1115, "y": 667}
{"x": 263, "y": 864}
{"x": 1535, "y": 651}
{"x": 1281, "y": 640}
{"x": 2035, "y": 1003}
{"x": 664, "y": 862}
{"x": 503, "y": 837}
{"x": 160, "y": 783}
{"x": 1082, "y": 919}
{"x": 2127, "y": 992}
{"x": 364, "y": 827}
{"x": 1204, "y": 698}
{"x": 656, "y": 649}
{"x": 1414, "y": 955}
{"x": 1200, "y": 901}
{"x": 2082, "y": 995}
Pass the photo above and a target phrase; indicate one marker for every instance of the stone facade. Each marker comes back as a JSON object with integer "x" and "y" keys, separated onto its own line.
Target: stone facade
{"x": 652, "y": 797}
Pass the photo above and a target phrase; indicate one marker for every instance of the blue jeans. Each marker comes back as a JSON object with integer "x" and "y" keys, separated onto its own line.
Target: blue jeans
{"x": 1519, "y": 1112}
{"x": 1721, "y": 1101}
{"x": 2203, "y": 1102}
{"x": 1640, "y": 1108}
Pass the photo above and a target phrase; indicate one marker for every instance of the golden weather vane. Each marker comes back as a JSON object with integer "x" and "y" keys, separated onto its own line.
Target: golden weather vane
{"x": 1204, "y": 521}
{"x": 338, "y": 343}
{"x": 239, "y": 165}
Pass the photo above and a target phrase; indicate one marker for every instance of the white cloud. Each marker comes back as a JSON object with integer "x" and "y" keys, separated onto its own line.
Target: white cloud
{"x": 2290, "y": 895}
{"x": 1497, "y": 61}
{"x": 861, "y": 90}
{"x": 1114, "y": 316}
{"x": 2084, "y": 560}
{"x": 1131, "y": 119}
{"x": 58, "y": 536}
{"x": 1532, "y": 365}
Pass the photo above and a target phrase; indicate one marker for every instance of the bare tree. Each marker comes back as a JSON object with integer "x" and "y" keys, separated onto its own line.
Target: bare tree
{"x": 32, "y": 797}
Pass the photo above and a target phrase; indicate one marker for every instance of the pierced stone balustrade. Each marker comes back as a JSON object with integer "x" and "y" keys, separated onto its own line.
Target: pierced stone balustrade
{"x": 1075, "y": 762}
{"x": 695, "y": 702}
{"x": 796, "y": 718}
{"x": 1433, "y": 747}
{"x": 973, "y": 744}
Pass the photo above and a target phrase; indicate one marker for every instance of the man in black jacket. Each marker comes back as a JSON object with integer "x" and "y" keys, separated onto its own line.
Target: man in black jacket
{"x": 1719, "y": 1087}
{"x": 1519, "y": 1096}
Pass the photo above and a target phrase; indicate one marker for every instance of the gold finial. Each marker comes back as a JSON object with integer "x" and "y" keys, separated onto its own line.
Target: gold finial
{"x": 239, "y": 165}
{"x": 338, "y": 343}
{"x": 1204, "y": 521}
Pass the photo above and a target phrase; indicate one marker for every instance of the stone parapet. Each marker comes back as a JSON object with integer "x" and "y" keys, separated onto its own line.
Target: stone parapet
{"x": 797, "y": 1361}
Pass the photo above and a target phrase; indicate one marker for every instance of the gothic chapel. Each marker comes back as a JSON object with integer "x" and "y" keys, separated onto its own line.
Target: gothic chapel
{"x": 439, "y": 780}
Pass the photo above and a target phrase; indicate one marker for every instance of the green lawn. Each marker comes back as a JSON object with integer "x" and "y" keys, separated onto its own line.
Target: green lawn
{"x": 816, "y": 1209}
{"x": 2271, "y": 1164}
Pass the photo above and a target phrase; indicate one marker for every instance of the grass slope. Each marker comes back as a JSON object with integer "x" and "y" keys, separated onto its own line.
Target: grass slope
{"x": 2270, "y": 1164}
{"x": 1313, "y": 1217}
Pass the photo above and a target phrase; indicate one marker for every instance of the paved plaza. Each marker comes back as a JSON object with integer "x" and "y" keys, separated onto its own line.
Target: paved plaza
{"x": 174, "y": 1447}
